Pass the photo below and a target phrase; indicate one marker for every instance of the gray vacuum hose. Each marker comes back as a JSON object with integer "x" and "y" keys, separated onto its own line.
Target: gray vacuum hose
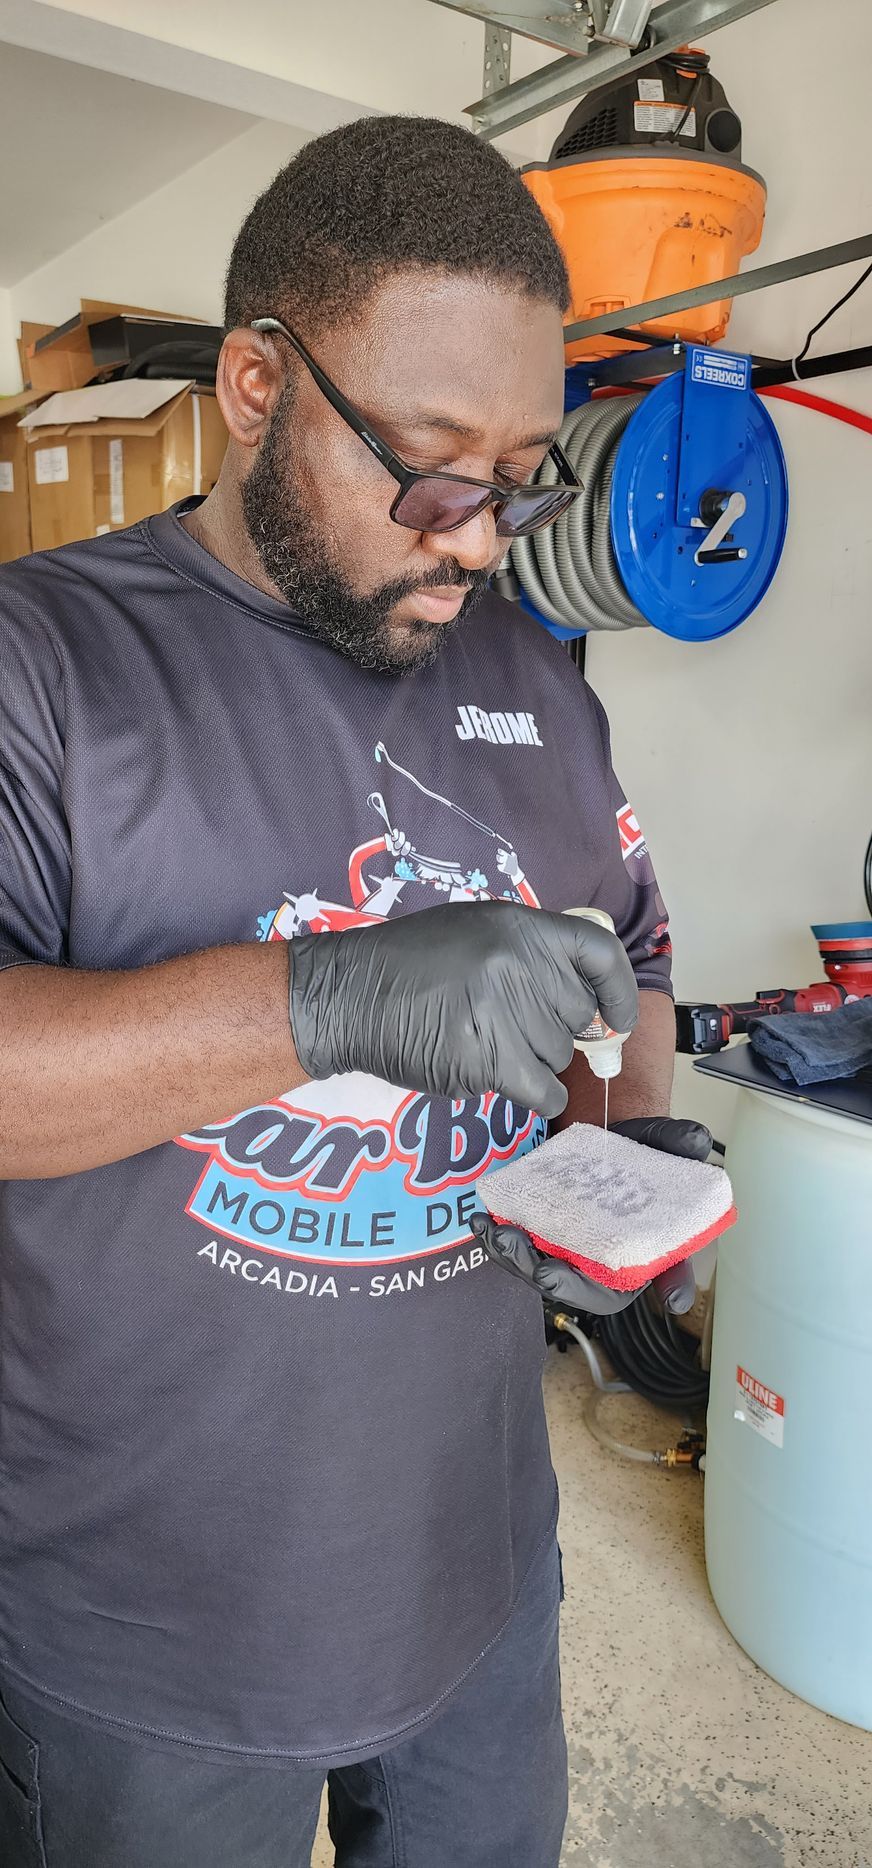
{"x": 568, "y": 570}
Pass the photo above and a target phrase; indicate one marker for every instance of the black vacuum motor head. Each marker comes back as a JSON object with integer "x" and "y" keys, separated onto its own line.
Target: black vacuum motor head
{"x": 675, "y": 103}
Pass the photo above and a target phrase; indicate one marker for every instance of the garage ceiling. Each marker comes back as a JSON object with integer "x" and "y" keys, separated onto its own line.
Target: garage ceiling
{"x": 84, "y": 145}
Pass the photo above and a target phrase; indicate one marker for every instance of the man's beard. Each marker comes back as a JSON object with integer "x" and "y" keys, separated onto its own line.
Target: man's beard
{"x": 295, "y": 560}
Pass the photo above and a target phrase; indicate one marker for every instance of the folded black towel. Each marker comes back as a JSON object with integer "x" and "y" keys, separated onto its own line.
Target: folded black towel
{"x": 816, "y": 1047}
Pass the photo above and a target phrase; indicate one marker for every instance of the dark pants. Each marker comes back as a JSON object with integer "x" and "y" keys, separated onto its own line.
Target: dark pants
{"x": 482, "y": 1786}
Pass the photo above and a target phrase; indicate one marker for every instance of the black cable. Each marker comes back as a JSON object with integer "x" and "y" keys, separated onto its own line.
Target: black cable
{"x": 694, "y": 89}
{"x": 654, "y": 1355}
{"x": 832, "y": 312}
{"x": 688, "y": 61}
{"x": 867, "y": 876}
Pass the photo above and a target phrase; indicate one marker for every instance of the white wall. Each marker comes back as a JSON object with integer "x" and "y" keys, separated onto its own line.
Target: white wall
{"x": 749, "y": 760}
{"x": 168, "y": 252}
{"x": 404, "y": 55}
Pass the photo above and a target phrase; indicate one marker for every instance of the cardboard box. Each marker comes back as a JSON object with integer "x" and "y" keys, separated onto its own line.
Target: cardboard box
{"x": 62, "y": 358}
{"x": 28, "y": 337}
{"x": 14, "y": 496}
{"x": 105, "y": 457}
{"x": 14, "y": 490}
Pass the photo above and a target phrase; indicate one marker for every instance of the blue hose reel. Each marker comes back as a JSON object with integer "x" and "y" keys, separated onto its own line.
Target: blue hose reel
{"x": 695, "y": 513}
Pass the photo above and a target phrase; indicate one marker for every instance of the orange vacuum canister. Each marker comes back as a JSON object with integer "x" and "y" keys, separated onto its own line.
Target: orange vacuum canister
{"x": 647, "y": 194}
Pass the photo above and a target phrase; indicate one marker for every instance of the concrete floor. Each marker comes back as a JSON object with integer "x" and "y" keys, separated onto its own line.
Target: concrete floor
{"x": 682, "y": 1753}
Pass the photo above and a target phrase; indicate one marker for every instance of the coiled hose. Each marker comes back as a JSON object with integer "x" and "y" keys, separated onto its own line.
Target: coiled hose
{"x": 568, "y": 571}
{"x": 680, "y": 1393}
{"x": 648, "y": 1350}
{"x": 655, "y": 1356}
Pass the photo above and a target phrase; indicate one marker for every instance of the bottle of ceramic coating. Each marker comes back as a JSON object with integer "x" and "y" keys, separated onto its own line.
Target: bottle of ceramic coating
{"x": 601, "y": 1045}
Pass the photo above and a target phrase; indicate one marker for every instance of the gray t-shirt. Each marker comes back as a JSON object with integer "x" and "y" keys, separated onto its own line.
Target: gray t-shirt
{"x": 274, "y": 1461}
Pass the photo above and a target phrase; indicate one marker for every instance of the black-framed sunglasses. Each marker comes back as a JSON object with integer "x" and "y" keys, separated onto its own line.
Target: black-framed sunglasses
{"x": 439, "y": 502}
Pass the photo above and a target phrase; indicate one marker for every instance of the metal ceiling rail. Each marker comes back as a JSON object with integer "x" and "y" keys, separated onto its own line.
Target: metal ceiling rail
{"x": 552, "y": 22}
{"x": 777, "y": 274}
{"x": 563, "y": 24}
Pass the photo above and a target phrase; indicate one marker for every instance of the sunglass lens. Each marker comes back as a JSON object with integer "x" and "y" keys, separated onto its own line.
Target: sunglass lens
{"x": 534, "y": 511}
{"x": 439, "y": 504}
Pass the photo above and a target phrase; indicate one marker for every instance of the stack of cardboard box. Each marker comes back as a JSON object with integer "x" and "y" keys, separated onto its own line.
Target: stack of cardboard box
{"x": 80, "y": 456}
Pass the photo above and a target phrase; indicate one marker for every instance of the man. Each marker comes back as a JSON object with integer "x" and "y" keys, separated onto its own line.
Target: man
{"x": 276, "y": 1498}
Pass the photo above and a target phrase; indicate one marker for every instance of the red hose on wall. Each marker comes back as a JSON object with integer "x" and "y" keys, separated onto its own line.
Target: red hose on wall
{"x": 785, "y": 392}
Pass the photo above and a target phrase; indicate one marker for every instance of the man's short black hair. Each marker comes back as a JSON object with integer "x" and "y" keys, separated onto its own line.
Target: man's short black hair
{"x": 374, "y": 197}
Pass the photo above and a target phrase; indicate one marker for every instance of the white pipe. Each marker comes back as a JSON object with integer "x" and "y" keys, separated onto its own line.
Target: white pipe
{"x": 605, "y": 1439}
{"x": 562, "y": 1322}
{"x": 602, "y": 1387}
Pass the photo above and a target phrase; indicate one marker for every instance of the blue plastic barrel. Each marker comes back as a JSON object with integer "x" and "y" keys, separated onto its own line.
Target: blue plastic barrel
{"x": 788, "y": 1486}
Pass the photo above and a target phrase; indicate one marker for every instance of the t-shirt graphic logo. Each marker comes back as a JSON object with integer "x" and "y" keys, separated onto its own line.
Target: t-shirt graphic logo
{"x": 631, "y": 834}
{"x": 419, "y": 846}
{"x": 354, "y": 1171}
{"x": 499, "y": 729}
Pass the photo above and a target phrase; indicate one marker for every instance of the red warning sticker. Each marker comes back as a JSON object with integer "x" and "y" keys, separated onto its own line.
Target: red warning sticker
{"x": 759, "y": 1407}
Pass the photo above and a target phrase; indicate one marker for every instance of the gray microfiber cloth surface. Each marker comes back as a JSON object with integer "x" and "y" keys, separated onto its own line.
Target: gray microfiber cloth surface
{"x": 816, "y": 1047}
{"x": 616, "y": 1210}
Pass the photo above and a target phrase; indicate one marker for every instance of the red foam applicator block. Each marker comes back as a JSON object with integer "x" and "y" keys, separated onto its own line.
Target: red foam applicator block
{"x": 616, "y": 1210}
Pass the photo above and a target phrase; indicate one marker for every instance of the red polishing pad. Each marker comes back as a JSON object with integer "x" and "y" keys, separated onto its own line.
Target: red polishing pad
{"x": 616, "y": 1210}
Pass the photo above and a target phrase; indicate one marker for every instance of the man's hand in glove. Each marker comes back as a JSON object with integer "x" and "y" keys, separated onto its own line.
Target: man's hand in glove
{"x": 557, "y": 1282}
{"x": 460, "y": 1000}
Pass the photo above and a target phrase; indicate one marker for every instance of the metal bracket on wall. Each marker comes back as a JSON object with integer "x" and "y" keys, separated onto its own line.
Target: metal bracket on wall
{"x": 497, "y": 59}
{"x": 565, "y": 25}
{"x": 778, "y": 273}
{"x": 559, "y": 23}
{"x": 625, "y": 23}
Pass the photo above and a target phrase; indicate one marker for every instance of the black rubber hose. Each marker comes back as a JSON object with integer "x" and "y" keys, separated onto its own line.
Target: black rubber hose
{"x": 658, "y": 1359}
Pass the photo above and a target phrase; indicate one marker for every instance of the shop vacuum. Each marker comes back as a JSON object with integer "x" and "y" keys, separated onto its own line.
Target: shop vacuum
{"x": 646, "y": 193}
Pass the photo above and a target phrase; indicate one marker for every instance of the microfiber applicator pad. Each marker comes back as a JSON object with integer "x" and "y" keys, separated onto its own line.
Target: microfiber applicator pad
{"x": 616, "y": 1210}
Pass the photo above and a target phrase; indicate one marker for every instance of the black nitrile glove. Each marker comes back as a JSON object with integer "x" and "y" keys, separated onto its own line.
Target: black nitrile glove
{"x": 460, "y": 1000}
{"x": 557, "y": 1282}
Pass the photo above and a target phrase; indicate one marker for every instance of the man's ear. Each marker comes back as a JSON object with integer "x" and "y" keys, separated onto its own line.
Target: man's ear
{"x": 248, "y": 384}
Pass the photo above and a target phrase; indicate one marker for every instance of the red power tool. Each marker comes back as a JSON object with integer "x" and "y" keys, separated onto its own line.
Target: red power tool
{"x": 846, "y": 952}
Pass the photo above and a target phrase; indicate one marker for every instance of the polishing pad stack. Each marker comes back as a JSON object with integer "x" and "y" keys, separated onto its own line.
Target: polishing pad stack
{"x": 617, "y": 1211}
